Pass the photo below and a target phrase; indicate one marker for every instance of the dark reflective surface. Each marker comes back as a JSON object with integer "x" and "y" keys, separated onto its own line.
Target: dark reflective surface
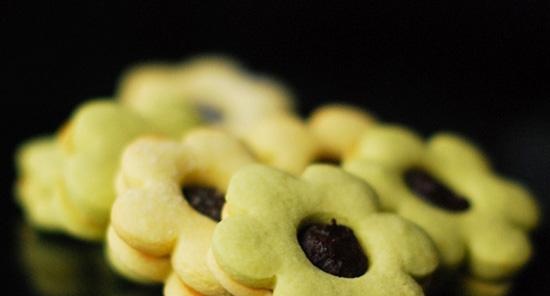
{"x": 54, "y": 265}
{"x": 47, "y": 264}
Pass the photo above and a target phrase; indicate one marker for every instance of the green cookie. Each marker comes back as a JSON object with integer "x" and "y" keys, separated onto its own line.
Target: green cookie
{"x": 256, "y": 249}
{"x": 447, "y": 187}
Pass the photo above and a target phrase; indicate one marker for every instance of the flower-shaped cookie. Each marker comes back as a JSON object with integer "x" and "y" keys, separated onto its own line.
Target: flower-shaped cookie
{"x": 447, "y": 187}
{"x": 227, "y": 95}
{"x": 169, "y": 201}
{"x": 318, "y": 234}
{"x": 338, "y": 128}
{"x": 72, "y": 177}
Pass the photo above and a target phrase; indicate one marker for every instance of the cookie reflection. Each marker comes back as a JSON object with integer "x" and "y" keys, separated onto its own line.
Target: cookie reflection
{"x": 56, "y": 265}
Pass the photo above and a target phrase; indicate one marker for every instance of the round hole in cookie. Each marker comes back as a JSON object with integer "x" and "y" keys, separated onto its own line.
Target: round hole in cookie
{"x": 328, "y": 160}
{"x": 333, "y": 248}
{"x": 206, "y": 200}
{"x": 434, "y": 191}
{"x": 209, "y": 113}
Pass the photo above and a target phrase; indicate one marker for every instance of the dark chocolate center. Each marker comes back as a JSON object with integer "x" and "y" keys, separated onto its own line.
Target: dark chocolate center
{"x": 434, "y": 191}
{"x": 206, "y": 200}
{"x": 334, "y": 249}
{"x": 209, "y": 113}
{"x": 328, "y": 160}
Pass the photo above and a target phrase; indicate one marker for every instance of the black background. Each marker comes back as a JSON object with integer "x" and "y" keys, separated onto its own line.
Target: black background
{"x": 479, "y": 69}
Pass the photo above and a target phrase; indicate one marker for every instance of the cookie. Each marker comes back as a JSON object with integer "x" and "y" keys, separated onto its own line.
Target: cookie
{"x": 75, "y": 172}
{"x": 318, "y": 234}
{"x": 446, "y": 186}
{"x": 338, "y": 127}
{"x": 170, "y": 196}
{"x": 224, "y": 93}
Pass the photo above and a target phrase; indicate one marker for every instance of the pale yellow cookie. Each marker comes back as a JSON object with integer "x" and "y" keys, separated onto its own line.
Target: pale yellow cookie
{"x": 66, "y": 183}
{"x": 225, "y": 94}
{"x": 154, "y": 215}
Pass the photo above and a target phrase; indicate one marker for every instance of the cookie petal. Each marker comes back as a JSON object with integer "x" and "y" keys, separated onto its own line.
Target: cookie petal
{"x": 214, "y": 157}
{"x": 496, "y": 249}
{"x": 515, "y": 201}
{"x": 142, "y": 82}
{"x": 338, "y": 127}
{"x": 189, "y": 257}
{"x": 104, "y": 127}
{"x": 456, "y": 153}
{"x": 255, "y": 188}
{"x": 386, "y": 180}
{"x": 147, "y": 159}
{"x": 149, "y": 218}
{"x": 394, "y": 146}
{"x": 283, "y": 142}
{"x": 443, "y": 227}
{"x": 386, "y": 235}
{"x": 333, "y": 184}
{"x": 244, "y": 248}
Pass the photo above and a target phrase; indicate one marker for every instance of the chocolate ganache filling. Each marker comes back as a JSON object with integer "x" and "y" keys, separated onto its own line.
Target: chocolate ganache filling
{"x": 333, "y": 248}
{"x": 434, "y": 191}
{"x": 329, "y": 160}
{"x": 206, "y": 200}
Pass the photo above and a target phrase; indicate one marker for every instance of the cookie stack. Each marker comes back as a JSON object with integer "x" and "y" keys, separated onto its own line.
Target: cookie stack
{"x": 200, "y": 176}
